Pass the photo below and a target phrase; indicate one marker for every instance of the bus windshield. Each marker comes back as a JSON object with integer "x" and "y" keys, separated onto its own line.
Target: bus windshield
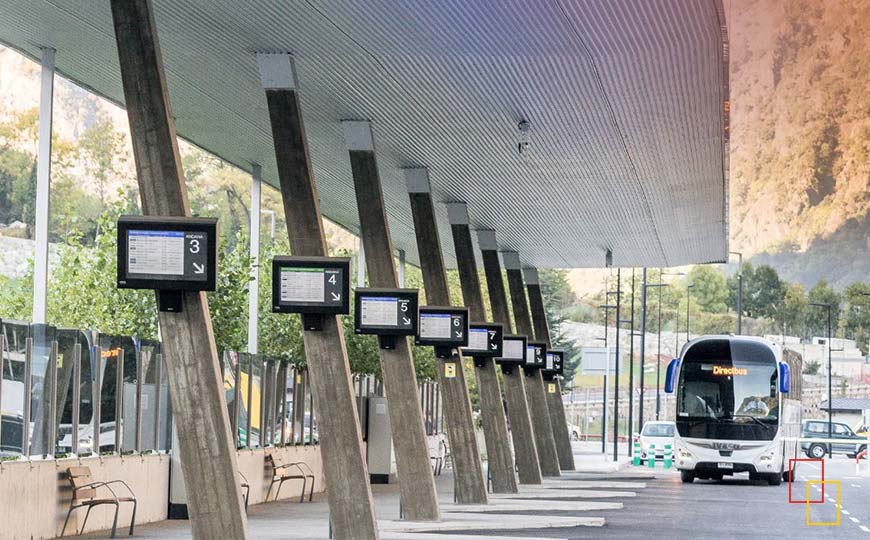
{"x": 728, "y": 390}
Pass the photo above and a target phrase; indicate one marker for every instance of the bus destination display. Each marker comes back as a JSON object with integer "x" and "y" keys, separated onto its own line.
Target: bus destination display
{"x": 484, "y": 340}
{"x": 535, "y": 355}
{"x": 442, "y": 326}
{"x": 311, "y": 285}
{"x": 167, "y": 253}
{"x": 513, "y": 350}
{"x": 386, "y": 311}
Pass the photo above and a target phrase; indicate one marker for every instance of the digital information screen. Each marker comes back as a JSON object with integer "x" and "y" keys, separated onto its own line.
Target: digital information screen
{"x": 535, "y": 354}
{"x": 167, "y": 253}
{"x": 311, "y": 285}
{"x": 483, "y": 340}
{"x": 443, "y": 326}
{"x": 513, "y": 350}
{"x": 177, "y": 255}
{"x": 386, "y": 311}
{"x": 555, "y": 363}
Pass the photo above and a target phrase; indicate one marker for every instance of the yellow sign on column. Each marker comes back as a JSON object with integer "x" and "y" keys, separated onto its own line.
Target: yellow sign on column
{"x": 551, "y": 388}
{"x": 450, "y": 370}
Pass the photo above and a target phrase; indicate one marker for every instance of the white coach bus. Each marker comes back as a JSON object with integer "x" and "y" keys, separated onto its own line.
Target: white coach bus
{"x": 734, "y": 411}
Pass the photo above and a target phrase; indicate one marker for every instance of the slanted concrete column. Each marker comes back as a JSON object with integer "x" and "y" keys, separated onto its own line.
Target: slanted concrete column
{"x": 348, "y": 492}
{"x": 554, "y": 401}
{"x": 500, "y": 461}
{"x": 528, "y": 466}
{"x": 416, "y": 482}
{"x": 43, "y": 187}
{"x": 534, "y": 382}
{"x": 469, "y": 485}
{"x": 208, "y": 455}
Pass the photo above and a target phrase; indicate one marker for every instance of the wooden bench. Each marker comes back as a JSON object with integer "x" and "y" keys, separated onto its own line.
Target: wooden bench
{"x": 282, "y": 472}
{"x": 85, "y": 494}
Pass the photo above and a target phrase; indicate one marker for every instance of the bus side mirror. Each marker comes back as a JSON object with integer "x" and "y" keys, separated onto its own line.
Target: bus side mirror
{"x": 670, "y": 377}
{"x": 784, "y": 378}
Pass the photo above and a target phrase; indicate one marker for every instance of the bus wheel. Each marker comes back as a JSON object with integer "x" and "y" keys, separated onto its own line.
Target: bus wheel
{"x": 787, "y": 476}
{"x": 687, "y": 477}
{"x": 775, "y": 479}
{"x": 816, "y": 451}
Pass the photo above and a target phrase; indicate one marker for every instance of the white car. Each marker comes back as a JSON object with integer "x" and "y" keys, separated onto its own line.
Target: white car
{"x": 659, "y": 434}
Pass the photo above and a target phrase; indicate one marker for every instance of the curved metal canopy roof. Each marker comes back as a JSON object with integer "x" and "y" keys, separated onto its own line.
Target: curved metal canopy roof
{"x": 624, "y": 99}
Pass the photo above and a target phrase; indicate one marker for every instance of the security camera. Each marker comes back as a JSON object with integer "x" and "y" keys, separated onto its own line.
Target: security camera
{"x": 524, "y": 142}
{"x": 608, "y": 258}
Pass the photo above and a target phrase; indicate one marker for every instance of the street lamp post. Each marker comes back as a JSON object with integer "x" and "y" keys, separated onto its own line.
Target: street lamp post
{"x": 606, "y": 307}
{"x": 739, "y": 291}
{"x": 688, "y": 305}
{"x": 659, "y": 286}
{"x": 827, "y": 308}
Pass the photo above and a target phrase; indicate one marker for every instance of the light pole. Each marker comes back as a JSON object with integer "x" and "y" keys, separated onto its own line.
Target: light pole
{"x": 688, "y": 305}
{"x": 606, "y": 307}
{"x": 659, "y": 286}
{"x": 739, "y": 291}
{"x": 827, "y": 308}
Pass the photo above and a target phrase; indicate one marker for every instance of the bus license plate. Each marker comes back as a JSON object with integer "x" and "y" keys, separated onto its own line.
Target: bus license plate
{"x": 726, "y": 465}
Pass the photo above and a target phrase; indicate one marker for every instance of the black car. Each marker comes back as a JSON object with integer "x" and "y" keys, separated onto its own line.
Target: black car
{"x": 818, "y": 429}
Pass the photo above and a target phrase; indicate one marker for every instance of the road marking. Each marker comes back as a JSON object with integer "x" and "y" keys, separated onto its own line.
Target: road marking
{"x": 831, "y": 499}
{"x": 813, "y": 465}
{"x": 864, "y": 528}
{"x": 845, "y": 512}
{"x": 855, "y": 485}
{"x": 854, "y": 520}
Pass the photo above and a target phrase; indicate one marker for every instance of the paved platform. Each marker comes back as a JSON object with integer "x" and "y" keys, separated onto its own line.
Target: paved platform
{"x": 574, "y": 500}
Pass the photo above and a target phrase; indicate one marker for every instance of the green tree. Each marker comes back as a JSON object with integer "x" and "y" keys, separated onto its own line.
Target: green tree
{"x": 817, "y": 317}
{"x": 83, "y": 292}
{"x": 709, "y": 288}
{"x": 857, "y": 313}
{"x": 228, "y": 304}
{"x": 763, "y": 291}
{"x": 794, "y": 310}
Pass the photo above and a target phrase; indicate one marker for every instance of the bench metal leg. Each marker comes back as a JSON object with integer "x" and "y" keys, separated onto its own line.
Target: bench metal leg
{"x": 133, "y": 518}
{"x": 302, "y": 495}
{"x": 115, "y": 521}
{"x": 85, "y": 522}
{"x": 71, "y": 508}
{"x": 311, "y": 491}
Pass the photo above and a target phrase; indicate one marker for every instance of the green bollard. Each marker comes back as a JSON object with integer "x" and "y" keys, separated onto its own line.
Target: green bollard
{"x": 668, "y": 457}
{"x": 651, "y": 457}
{"x": 636, "y": 461}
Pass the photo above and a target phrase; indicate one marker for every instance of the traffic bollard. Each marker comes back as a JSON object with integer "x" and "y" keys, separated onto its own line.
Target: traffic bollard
{"x": 668, "y": 457}
{"x": 636, "y": 461}
{"x": 651, "y": 457}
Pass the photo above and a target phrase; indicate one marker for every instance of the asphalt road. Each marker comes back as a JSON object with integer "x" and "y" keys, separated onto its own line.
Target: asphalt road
{"x": 734, "y": 508}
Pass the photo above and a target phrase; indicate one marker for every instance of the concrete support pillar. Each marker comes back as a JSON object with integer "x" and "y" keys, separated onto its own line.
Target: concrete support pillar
{"x": 500, "y": 462}
{"x": 469, "y": 484}
{"x": 554, "y": 401}
{"x": 350, "y": 498}
{"x": 254, "y": 284}
{"x": 208, "y": 455}
{"x": 43, "y": 186}
{"x": 528, "y": 465}
{"x": 416, "y": 482}
{"x": 534, "y": 382}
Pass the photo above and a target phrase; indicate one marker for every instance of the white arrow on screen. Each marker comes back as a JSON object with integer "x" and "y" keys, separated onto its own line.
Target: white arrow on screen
{"x": 198, "y": 268}
{"x": 406, "y": 320}
{"x": 493, "y": 346}
{"x": 336, "y": 297}
{"x": 459, "y": 334}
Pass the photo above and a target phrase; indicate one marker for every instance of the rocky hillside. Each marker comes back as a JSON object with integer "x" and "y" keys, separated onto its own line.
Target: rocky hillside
{"x": 800, "y": 160}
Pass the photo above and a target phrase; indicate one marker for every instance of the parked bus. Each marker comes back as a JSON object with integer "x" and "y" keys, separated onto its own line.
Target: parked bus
{"x": 735, "y": 412}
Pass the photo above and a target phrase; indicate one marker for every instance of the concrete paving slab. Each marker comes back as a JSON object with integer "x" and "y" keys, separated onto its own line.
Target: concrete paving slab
{"x": 483, "y": 522}
{"x": 543, "y": 493}
{"x": 453, "y": 536}
{"x": 585, "y": 484}
{"x": 531, "y": 505}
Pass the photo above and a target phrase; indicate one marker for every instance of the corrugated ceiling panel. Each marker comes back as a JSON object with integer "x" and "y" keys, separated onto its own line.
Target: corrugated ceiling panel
{"x": 624, "y": 100}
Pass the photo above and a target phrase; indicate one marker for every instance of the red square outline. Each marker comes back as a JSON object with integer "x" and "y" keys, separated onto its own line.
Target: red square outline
{"x": 791, "y": 462}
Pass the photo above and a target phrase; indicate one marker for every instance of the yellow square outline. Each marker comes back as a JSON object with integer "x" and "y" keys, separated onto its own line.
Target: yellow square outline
{"x": 839, "y": 514}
